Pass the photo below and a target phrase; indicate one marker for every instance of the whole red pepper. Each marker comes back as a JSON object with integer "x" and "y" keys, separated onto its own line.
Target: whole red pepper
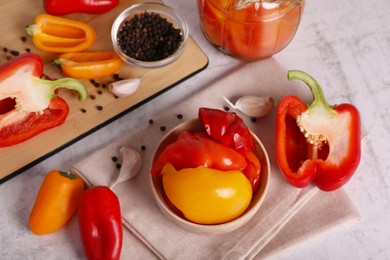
{"x": 317, "y": 143}
{"x": 100, "y": 223}
{"x": 191, "y": 150}
{"x": 227, "y": 128}
{"x": 28, "y": 101}
{"x": 64, "y": 7}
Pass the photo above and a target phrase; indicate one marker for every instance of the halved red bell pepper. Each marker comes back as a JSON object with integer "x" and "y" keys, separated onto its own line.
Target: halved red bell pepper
{"x": 32, "y": 124}
{"x": 64, "y": 7}
{"x": 28, "y": 101}
{"x": 227, "y": 128}
{"x": 192, "y": 150}
{"x": 100, "y": 223}
{"x": 317, "y": 143}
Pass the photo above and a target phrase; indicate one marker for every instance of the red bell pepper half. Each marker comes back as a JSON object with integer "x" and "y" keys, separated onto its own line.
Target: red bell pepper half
{"x": 227, "y": 128}
{"x": 100, "y": 223}
{"x": 64, "y": 7}
{"x": 32, "y": 124}
{"x": 317, "y": 143}
{"x": 28, "y": 102}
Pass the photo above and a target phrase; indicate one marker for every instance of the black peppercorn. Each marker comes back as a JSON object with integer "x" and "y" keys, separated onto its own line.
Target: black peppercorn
{"x": 149, "y": 37}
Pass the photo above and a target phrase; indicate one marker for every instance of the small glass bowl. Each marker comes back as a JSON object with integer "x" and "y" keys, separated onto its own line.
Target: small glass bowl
{"x": 150, "y": 7}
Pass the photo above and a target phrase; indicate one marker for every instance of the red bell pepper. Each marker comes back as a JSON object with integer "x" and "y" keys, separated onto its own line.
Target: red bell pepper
{"x": 64, "y": 7}
{"x": 317, "y": 143}
{"x": 227, "y": 128}
{"x": 192, "y": 150}
{"x": 28, "y": 103}
{"x": 100, "y": 223}
{"x": 33, "y": 124}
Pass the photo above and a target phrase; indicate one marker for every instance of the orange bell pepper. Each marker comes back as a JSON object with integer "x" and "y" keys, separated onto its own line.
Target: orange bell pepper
{"x": 88, "y": 65}
{"x": 56, "y": 34}
{"x": 56, "y": 202}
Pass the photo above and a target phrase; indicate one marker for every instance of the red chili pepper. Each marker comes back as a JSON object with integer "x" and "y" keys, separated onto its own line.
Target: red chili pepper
{"x": 64, "y": 7}
{"x": 28, "y": 103}
{"x": 100, "y": 223}
{"x": 227, "y": 128}
{"x": 319, "y": 143}
{"x": 192, "y": 150}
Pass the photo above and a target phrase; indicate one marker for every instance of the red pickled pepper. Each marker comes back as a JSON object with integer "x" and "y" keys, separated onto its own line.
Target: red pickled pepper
{"x": 191, "y": 150}
{"x": 226, "y": 145}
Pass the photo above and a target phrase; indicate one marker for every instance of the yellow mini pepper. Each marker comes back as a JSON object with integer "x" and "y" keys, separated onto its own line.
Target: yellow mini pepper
{"x": 56, "y": 34}
{"x": 56, "y": 202}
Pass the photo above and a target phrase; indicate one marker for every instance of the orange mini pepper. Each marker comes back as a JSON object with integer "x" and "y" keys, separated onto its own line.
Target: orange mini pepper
{"x": 88, "y": 65}
{"x": 56, "y": 34}
{"x": 56, "y": 202}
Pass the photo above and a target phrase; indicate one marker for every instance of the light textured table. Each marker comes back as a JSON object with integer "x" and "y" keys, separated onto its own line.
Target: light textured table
{"x": 345, "y": 46}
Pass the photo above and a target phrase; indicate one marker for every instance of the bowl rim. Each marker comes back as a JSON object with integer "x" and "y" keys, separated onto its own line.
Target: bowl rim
{"x": 257, "y": 198}
{"x": 165, "y": 11}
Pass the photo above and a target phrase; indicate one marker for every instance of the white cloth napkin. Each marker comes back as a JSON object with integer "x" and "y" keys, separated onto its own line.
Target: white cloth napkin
{"x": 287, "y": 216}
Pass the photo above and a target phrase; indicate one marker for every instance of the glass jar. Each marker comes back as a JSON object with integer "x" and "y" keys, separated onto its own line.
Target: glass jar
{"x": 255, "y": 32}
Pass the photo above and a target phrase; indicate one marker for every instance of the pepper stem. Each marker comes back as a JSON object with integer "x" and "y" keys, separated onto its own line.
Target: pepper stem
{"x": 68, "y": 175}
{"x": 313, "y": 122}
{"x": 316, "y": 90}
{"x": 68, "y": 83}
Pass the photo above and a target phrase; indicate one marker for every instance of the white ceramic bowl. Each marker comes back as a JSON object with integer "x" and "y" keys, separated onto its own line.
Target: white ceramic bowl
{"x": 164, "y": 11}
{"x": 257, "y": 199}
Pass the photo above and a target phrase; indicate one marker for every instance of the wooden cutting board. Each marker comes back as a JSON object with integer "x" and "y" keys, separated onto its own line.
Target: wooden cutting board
{"x": 84, "y": 117}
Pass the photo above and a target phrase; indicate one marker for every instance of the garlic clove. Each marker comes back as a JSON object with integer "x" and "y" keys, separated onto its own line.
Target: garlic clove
{"x": 253, "y": 106}
{"x": 131, "y": 162}
{"x": 124, "y": 88}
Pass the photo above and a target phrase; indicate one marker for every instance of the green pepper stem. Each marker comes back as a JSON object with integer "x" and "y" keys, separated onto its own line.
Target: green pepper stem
{"x": 316, "y": 90}
{"x": 31, "y": 29}
{"x": 68, "y": 83}
{"x": 68, "y": 175}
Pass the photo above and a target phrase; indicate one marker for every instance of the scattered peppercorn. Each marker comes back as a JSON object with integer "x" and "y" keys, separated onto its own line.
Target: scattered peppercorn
{"x": 226, "y": 109}
{"x": 23, "y": 38}
{"x": 8, "y": 57}
{"x": 149, "y": 37}
{"x": 5, "y": 49}
{"x": 83, "y": 110}
{"x": 100, "y": 92}
{"x": 92, "y": 96}
{"x": 100, "y": 108}
{"x": 151, "y": 121}
{"x": 143, "y": 147}
{"x": 162, "y": 128}
{"x": 28, "y": 49}
{"x": 180, "y": 116}
{"x": 118, "y": 165}
{"x": 116, "y": 76}
{"x": 14, "y": 53}
{"x": 114, "y": 159}
{"x": 253, "y": 119}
